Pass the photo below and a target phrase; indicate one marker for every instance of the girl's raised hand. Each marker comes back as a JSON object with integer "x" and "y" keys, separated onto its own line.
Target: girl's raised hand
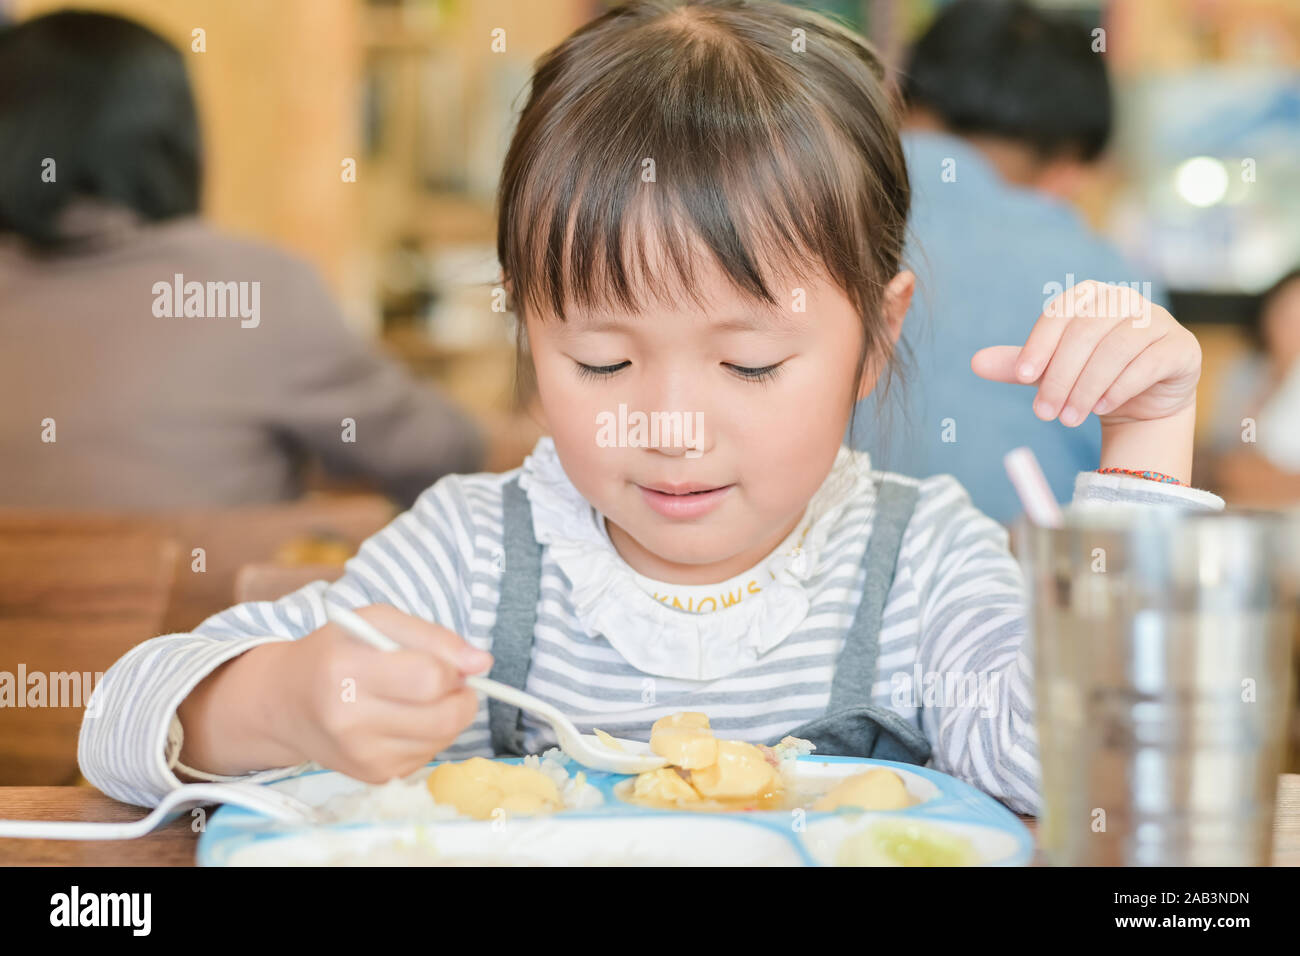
{"x": 1101, "y": 349}
{"x": 372, "y": 714}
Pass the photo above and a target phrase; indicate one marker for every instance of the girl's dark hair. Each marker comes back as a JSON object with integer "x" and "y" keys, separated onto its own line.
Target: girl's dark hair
{"x": 773, "y": 141}
{"x": 109, "y": 102}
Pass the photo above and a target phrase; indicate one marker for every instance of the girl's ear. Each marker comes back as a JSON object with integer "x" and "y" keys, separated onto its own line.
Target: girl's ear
{"x": 898, "y": 297}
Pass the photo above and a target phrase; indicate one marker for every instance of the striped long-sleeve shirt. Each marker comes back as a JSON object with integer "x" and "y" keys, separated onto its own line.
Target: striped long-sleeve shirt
{"x": 956, "y": 607}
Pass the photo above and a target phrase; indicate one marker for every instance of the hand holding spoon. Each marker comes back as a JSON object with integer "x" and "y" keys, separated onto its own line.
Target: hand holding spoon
{"x": 587, "y": 749}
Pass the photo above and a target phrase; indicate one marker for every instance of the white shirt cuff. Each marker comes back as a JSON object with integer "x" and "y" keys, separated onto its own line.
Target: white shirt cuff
{"x": 176, "y": 733}
{"x": 1094, "y": 488}
{"x": 176, "y": 738}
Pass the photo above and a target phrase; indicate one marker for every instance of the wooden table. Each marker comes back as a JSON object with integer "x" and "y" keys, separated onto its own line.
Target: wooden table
{"x": 175, "y": 843}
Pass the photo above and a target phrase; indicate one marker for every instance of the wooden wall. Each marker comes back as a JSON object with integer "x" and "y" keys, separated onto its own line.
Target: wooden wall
{"x": 277, "y": 90}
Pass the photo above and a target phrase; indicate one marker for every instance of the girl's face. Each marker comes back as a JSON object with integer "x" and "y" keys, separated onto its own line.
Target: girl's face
{"x": 763, "y": 399}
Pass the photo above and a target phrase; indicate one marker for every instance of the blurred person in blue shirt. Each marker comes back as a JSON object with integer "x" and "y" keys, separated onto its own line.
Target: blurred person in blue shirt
{"x": 1007, "y": 106}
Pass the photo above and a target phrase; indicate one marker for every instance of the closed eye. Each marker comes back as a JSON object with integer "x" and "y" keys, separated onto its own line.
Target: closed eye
{"x": 599, "y": 371}
{"x": 766, "y": 373}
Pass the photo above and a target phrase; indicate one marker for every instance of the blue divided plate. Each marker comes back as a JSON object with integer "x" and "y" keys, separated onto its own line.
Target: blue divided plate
{"x": 616, "y": 832}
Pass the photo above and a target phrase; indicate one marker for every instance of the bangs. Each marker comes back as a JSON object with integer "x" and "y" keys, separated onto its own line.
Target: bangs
{"x": 696, "y": 132}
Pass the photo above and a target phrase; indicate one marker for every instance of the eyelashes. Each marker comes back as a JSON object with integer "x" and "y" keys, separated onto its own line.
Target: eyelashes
{"x": 599, "y": 371}
{"x": 764, "y": 374}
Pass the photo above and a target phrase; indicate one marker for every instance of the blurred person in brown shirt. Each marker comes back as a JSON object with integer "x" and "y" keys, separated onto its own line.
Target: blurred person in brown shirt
{"x": 146, "y": 360}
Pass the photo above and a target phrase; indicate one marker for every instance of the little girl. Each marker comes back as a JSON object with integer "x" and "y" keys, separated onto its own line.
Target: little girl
{"x": 702, "y": 216}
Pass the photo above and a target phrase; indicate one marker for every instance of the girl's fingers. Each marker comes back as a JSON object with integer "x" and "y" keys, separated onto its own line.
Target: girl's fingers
{"x": 1094, "y": 348}
{"x": 997, "y": 363}
{"x": 1042, "y": 343}
{"x": 1137, "y": 377}
{"x": 385, "y": 759}
{"x": 409, "y": 676}
{"x": 419, "y": 722}
{"x": 417, "y": 634}
{"x": 1112, "y": 355}
{"x": 1075, "y": 349}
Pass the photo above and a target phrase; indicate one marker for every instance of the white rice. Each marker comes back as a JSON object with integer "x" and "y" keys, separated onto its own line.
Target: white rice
{"x": 575, "y": 792}
{"x": 792, "y": 748}
{"x": 399, "y": 799}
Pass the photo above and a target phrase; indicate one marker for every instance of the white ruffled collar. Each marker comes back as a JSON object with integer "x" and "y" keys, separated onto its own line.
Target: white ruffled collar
{"x": 662, "y": 640}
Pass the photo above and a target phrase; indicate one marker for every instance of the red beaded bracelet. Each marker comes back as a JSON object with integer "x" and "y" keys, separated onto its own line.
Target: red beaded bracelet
{"x": 1149, "y": 475}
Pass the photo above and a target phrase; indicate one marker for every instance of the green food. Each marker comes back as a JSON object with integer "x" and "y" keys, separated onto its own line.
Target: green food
{"x": 905, "y": 844}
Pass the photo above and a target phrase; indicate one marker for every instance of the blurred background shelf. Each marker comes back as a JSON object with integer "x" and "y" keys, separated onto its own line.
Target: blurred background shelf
{"x": 418, "y": 95}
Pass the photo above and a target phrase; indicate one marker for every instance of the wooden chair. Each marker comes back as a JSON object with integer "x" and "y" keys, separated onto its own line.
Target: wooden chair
{"x": 80, "y": 589}
{"x": 214, "y": 544}
{"x": 75, "y": 595}
{"x": 230, "y": 539}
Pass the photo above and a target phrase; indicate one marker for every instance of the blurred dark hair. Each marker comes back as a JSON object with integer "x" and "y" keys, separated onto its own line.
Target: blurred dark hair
{"x": 109, "y": 101}
{"x": 765, "y": 155}
{"x": 1005, "y": 68}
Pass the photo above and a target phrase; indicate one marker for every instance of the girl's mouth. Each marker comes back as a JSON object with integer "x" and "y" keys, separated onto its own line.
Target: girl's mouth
{"x": 684, "y": 502}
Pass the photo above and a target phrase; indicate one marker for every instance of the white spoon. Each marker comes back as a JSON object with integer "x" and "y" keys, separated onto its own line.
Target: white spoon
{"x": 587, "y": 749}
{"x": 251, "y": 796}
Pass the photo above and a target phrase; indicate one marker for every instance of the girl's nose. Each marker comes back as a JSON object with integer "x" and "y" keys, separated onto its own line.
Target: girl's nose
{"x": 684, "y": 438}
{"x": 678, "y": 423}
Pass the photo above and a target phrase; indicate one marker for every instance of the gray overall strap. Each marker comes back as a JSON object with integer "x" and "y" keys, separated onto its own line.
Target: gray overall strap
{"x": 512, "y": 635}
{"x": 855, "y": 669}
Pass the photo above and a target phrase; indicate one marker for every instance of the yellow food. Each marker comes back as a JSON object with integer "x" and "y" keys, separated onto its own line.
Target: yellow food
{"x": 314, "y": 549}
{"x": 878, "y": 789}
{"x": 705, "y": 772}
{"x": 607, "y": 740}
{"x": 741, "y": 770}
{"x": 684, "y": 740}
{"x": 683, "y": 718}
{"x": 664, "y": 785}
{"x": 477, "y": 787}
